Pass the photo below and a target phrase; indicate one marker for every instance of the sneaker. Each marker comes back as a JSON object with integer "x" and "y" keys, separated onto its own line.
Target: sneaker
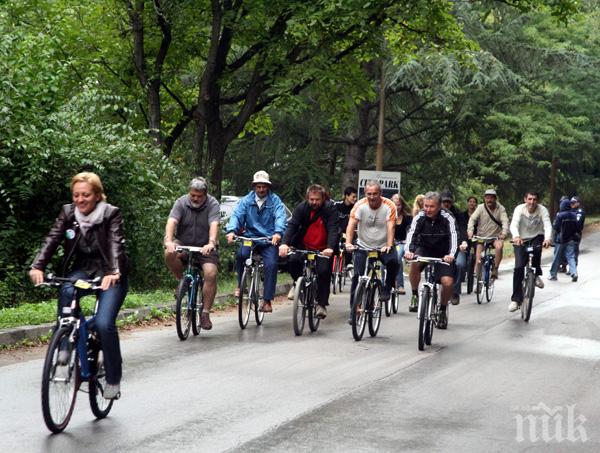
{"x": 442, "y": 321}
{"x": 552, "y": 277}
{"x": 266, "y": 307}
{"x": 538, "y": 282}
{"x": 385, "y": 295}
{"x": 513, "y": 306}
{"x": 455, "y": 299}
{"x": 291, "y": 292}
{"x": 112, "y": 391}
{"x": 574, "y": 277}
{"x": 401, "y": 290}
{"x": 562, "y": 268}
{"x": 321, "y": 312}
{"x": 414, "y": 304}
{"x": 205, "y": 321}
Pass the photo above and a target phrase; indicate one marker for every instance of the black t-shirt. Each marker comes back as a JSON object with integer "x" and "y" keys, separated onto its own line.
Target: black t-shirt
{"x": 402, "y": 228}
{"x": 343, "y": 215}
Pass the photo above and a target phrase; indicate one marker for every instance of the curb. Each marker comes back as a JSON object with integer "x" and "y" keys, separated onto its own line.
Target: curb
{"x": 16, "y": 334}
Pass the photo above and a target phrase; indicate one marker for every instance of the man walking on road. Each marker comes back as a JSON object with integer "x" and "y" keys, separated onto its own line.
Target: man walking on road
{"x": 194, "y": 221}
{"x": 530, "y": 222}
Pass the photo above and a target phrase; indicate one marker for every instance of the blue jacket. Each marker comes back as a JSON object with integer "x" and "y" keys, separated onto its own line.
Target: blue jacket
{"x": 565, "y": 223}
{"x": 267, "y": 221}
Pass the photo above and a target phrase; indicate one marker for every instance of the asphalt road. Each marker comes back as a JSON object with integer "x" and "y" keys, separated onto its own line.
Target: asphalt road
{"x": 489, "y": 383}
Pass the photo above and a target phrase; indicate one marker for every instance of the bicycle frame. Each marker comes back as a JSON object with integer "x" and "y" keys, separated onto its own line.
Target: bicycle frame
{"x": 193, "y": 273}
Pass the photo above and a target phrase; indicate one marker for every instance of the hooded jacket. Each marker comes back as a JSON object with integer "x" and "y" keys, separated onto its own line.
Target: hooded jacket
{"x": 565, "y": 223}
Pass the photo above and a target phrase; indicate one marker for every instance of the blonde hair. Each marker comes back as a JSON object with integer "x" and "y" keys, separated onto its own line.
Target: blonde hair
{"x": 92, "y": 179}
{"x": 418, "y": 204}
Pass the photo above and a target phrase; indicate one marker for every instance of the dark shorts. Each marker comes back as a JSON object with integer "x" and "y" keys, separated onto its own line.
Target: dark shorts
{"x": 441, "y": 270}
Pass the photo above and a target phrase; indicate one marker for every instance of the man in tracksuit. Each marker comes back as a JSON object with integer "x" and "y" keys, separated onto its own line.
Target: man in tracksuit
{"x": 566, "y": 228}
{"x": 433, "y": 233}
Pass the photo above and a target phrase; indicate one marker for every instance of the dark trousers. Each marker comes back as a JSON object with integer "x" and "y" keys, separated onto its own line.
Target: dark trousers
{"x": 389, "y": 260}
{"x": 108, "y": 307}
{"x": 520, "y": 262}
{"x": 295, "y": 266}
{"x": 461, "y": 265}
{"x": 270, "y": 259}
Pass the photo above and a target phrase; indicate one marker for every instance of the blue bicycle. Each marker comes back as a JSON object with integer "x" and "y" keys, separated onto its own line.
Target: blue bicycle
{"x": 74, "y": 356}
{"x": 189, "y": 303}
{"x": 484, "y": 279}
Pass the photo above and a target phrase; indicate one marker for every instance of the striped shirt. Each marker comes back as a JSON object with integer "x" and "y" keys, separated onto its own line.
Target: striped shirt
{"x": 372, "y": 223}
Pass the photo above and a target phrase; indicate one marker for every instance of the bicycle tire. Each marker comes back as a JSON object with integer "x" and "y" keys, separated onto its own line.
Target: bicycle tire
{"x": 470, "y": 272}
{"x": 244, "y": 301}
{"x": 358, "y": 312}
{"x": 183, "y": 311}
{"x": 299, "y": 314}
{"x": 58, "y": 396}
{"x": 313, "y": 321}
{"x": 100, "y": 406}
{"x": 259, "y": 315}
{"x": 489, "y": 289}
{"x": 388, "y": 304}
{"x": 528, "y": 294}
{"x": 197, "y": 306}
{"x": 375, "y": 308}
{"x": 334, "y": 274}
{"x": 395, "y": 302}
{"x": 424, "y": 301}
{"x": 479, "y": 283}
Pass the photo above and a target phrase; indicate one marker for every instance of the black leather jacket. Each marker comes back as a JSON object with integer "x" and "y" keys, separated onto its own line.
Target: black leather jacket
{"x": 109, "y": 235}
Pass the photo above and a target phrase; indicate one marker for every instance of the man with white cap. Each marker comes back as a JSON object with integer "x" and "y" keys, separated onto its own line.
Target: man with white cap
{"x": 492, "y": 221}
{"x": 261, "y": 213}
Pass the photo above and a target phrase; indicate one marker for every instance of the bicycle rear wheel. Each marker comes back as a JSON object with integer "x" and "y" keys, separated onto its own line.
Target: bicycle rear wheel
{"x": 389, "y": 303}
{"x": 395, "y": 302}
{"x": 334, "y": 274}
{"x": 424, "y": 301}
{"x": 489, "y": 289}
{"x": 471, "y": 272}
{"x": 60, "y": 382}
{"x": 528, "y": 293}
{"x": 299, "y": 314}
{"x": 100, "y": 406}
{"x": 376, "y": 308}
{"x": 479, "y": 283}
{"x": 359, "y": 313}
{"x": 183, "y": 310}
{"x": 313, "y": 321}
{"x": 197, "y": 306}
{"x": 244, "y": 301}
{"x": 259, "y": 315}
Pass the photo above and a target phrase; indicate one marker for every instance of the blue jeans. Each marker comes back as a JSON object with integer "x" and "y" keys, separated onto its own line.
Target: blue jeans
{"x": 461, "y": 266}
{"x": 108, "y": 308}
{"x": 389, "y": 260}
{"x": 569, "y": 250}
{"x": 270, "y": 260}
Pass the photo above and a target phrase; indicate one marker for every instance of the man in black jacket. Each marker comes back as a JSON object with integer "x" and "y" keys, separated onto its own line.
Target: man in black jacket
{"x": 433, "y": 233}
{"x": 461, "y": 255}
{"x": 313, "y": 226}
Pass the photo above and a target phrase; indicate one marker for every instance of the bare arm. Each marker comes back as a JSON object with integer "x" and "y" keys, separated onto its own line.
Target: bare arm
{"x": 170, "y": 235}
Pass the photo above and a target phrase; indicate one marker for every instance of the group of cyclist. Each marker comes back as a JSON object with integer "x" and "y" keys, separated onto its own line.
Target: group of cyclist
{"x": 91, "y": 231}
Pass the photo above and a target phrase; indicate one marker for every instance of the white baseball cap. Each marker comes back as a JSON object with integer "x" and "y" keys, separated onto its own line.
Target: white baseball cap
{"x": 261, "y": 176}
{"x": 490, "y": 192}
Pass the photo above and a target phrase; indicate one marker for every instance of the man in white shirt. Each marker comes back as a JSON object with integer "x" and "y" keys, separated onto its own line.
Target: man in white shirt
{"x": 530, "y": 222}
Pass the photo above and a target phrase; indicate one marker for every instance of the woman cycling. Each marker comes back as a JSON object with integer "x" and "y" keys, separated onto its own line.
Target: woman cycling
{"x": 91, "y": 232}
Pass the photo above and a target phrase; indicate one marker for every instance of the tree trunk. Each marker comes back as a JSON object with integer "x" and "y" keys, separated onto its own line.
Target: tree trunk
{"x": 357, "y": 149}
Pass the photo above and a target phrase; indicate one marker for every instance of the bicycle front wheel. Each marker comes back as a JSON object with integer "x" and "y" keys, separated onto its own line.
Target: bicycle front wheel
{"x": 259, "y": 315}
{"x": 60, "y": 382}
{"x": 528, "y": 293}
{"x": 183, "y": 310}
{"x": 334, "y": 273}
{"x": 479, "y": 282}
{"x": 100, "y": 406}
{"x": 424, "y": 301}
{"x": 197, "y": 306}
{"x": 313, "y": 321}
{"x": 359, "y": 311}
{"x": 244, "y": 301}
{"x": 376, "y": 308}
{"x": 489, "y": 289}
{"x": 299, "y": 314}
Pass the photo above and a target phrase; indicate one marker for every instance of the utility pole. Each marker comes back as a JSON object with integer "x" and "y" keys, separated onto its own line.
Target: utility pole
{"x": 379, "y": 149}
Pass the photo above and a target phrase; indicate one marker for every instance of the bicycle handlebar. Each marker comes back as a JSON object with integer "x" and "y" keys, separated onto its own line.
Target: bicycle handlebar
{"x": 427, "y": 259}
{"x": 259, "y": 239}
{"x": 81, "y": 283}
{"x": 189, "y": 248}
{"x": 306, "y": 252}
